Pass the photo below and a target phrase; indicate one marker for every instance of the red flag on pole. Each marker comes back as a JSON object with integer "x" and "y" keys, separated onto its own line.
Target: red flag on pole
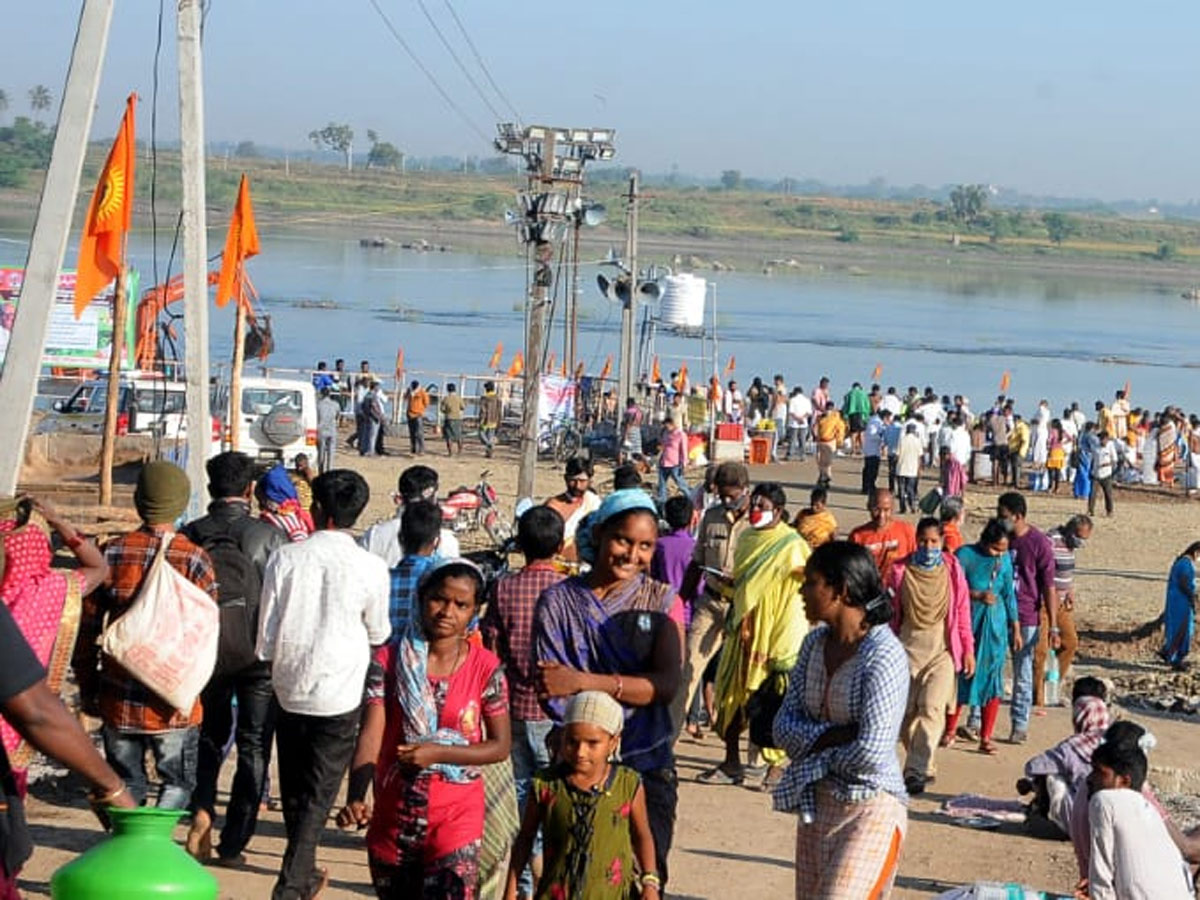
{"x": 655, "y": 372}
{"x": 494, "y": 362}
{"x": 683, "y": 378}
{"x": 110, "y": 212}
{"x": 399, "y": 362}
{"x": 240, "y": 244}
{"x": 877, "y": 371}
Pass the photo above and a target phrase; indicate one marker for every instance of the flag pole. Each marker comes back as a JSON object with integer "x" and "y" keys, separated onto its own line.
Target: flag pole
{"x": 239, "y": 359}
{"x": 109, "y": 438}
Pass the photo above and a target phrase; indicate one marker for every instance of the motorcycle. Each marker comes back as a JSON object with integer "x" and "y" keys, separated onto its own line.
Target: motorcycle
{"x": 469, "y": 509}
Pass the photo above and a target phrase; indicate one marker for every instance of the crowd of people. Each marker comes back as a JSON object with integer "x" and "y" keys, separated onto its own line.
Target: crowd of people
{"x": 534, "y": 719}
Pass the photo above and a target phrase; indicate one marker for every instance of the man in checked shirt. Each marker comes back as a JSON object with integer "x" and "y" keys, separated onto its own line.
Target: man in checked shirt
{"x": 135, "y": 718}
{"x": 508, "y": 632}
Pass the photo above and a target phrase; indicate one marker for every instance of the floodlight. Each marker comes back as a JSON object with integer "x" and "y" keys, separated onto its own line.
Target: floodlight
{"x": 608, "y": 152}
{"x": 601, "y": 136}
{"x": 579, "y": 137}
{"x": 536, "y": 133}
{"x": 594, "y": 214}
{"x": 511, "y": 218}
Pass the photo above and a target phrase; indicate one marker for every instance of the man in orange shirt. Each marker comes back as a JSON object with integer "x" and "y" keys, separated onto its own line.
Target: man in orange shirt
{"x": 417, "y": 401}
{"x": 888, "y": 539}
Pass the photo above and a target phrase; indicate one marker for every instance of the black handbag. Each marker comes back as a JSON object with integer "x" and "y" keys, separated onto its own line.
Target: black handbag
{"x": 16, "y": 844}
{"x": 763, "y": 706}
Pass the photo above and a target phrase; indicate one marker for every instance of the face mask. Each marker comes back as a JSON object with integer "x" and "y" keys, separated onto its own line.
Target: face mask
{"x": 732, "y": 503}
{"x": 761, "y": 518}
{"x": 927, "y": 557}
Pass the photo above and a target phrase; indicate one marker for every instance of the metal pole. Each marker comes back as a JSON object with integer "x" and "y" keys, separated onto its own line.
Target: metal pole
{"x": 627, "y": 375}
{"x": 108, "y": 439}
{"x": 195, "y": 249}
{"x": 573, "y": 317}
{"x": 47, "y": 246}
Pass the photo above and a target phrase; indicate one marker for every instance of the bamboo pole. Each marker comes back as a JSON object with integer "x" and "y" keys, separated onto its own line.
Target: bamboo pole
{"x": 235, "y": 378}
{"x": 108, "y": 443}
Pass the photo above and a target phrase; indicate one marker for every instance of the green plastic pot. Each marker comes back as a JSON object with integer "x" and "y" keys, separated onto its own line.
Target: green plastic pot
{"x": 140, "y": 861}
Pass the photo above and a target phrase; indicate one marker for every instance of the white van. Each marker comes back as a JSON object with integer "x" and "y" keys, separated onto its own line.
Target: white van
{"x": 278, "y": 418}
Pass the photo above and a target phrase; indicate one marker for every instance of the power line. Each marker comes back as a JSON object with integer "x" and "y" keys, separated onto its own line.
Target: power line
{"x": 479, "y": 59}
{"x": 466, "y": 74}
{"x": 420, "y": 65}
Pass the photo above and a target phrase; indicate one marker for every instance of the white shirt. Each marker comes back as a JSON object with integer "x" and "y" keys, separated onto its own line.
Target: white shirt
{"x": 892, "y": 402}
{"x": 324, "y": 606}
{"x": 908, "y": 457}
{"x": 932, "y": 413}
{"x": 960, "y": 445}
{"x": 383, "y": 540}
{"x": 799, "y": 410}
{"x": 1133, "y": 856}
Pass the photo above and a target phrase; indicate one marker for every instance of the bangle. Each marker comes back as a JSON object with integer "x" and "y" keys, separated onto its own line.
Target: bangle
{"x": 620, "y": 687}
{"x": 650, "y": 879}
{"x": 109, "y": 797}
{"x": 75, "y": 541}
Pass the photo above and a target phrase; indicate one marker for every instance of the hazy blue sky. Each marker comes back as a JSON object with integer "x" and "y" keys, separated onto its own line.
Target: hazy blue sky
{"x": 1072, "y": 98}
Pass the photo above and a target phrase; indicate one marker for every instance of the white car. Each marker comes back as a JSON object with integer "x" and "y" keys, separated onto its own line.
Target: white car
{"x": 278, "y": 418}
{"x": 147, "y": 402}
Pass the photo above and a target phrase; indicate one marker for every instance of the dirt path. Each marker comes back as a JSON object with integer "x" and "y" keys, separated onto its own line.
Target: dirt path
{"x": 728, "y": 843}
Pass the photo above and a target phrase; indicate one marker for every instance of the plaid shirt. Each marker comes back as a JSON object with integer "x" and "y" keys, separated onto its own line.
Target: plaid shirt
{"x": 508, "y": 632}
{"x": 878, "y": 694}
{"x": 125, "y": 703}
{"x": 405, "y": 578}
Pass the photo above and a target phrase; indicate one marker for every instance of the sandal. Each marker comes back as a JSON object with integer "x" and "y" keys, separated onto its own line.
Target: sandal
{"x": 967, "y": 733}
{"x": 946, "y": 740}
{"x": 988, "y": 747}
{"x": 718, "y": 775}
{"x": 695, "y": 732}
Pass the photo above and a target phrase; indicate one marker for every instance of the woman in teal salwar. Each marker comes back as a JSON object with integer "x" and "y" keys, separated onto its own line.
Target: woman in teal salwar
{"x": 989, "y": 572}
{"x": 1180, "y": 614}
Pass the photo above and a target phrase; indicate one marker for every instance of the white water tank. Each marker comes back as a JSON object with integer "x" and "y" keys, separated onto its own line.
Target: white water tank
{"x": 683, "y": 301}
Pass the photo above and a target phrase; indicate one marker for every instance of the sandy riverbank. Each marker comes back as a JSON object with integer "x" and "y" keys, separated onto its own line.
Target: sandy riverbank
{"x": 728, "y": 842}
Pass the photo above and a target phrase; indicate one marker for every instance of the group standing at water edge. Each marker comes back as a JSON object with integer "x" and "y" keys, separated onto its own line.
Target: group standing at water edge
{"x": 535, "y": 720}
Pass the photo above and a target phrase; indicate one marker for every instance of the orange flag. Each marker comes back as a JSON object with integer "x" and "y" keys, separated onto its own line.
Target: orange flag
{"x": 550, "y": 362}
{"x": 683, "y": 378}
{"x": 877, "y": 371}
{"x": 579, "y": 370}
{"x": 655, "y": 372}
{"x": 240, "y": 244}
{"x": 1127, "y": 392}
{"x": 399, "y": 362}
{"x": 102, "y": 244}
{"x": 518, "y": 365}
{"x": 562, "y": 369}
{"x": 1005, "y": 382}
{"x": 731, "y": 365}
{"x": 607, "y": 370}
{"x": 494, "y": 362}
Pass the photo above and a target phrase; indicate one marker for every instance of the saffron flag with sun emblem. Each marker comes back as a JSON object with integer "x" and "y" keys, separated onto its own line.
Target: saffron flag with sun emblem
{"x": 102, "y": 244}
{"x": 240, "y": 244}
{"x": 494, "y": 362}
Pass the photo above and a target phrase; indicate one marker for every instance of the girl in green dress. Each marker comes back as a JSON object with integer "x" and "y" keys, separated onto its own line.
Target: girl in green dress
{"x": 592, "y": 813}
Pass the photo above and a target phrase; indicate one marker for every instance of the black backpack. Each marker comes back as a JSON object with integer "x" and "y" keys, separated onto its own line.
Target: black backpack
{"x": 239, "y": 589}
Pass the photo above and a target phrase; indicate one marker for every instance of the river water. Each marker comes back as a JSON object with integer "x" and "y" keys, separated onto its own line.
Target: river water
{"x": 1060, "y": 338}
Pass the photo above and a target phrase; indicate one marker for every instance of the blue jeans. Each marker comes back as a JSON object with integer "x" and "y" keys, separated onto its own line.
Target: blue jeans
{"x": 529, "y": 754}
{"x": 1022, "y": 662}
{"x": 667, "y": 474}
{"x": 175, "y": 753}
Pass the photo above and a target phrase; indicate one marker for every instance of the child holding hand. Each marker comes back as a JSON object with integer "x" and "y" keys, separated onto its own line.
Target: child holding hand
{"x": 592, "y": 813}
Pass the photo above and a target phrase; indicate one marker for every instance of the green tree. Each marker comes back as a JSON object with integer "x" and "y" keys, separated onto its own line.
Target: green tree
{"x": 3, "y": 100}
{"x": 24, "y": 146}
{"x": 731, "y": 179}
{"x": 1166, "y": 251}
{"x": 383, "y": 154}
{"x": 1059, "y": 227}
{"x": 339, "y": 138}
{"x": 968, "y": 203}
{"x": 40, "y": 99}
{"x": 246, "y": 150}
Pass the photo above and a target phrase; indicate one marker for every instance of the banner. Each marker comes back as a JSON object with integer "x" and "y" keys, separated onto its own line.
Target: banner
{"x": 556, "y": 400}
{"x": 83, "y": 343}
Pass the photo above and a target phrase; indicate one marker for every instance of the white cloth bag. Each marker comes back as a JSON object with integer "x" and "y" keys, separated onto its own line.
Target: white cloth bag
{"x": 167, "y": 638}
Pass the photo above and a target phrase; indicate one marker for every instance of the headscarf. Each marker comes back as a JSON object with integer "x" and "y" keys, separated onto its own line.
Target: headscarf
{"x": 281, "y": 504}
{"x": 595, "y": 708}
{"x": 1072, "y": 757}
{"x": 614, "y": 504}
{"x": 162, "y": 492}
{"x": 277, "y": 487}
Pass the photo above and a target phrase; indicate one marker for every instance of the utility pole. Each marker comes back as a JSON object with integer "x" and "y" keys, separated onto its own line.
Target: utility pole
{"x": 554, "y": 160}
{"x": 195, "y": 249}
{"x": 628, "y": 376}
{"x": 48, "y": 245}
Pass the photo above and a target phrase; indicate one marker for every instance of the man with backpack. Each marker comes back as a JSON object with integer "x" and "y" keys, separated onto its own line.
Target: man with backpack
{"x": 238, "y": 545}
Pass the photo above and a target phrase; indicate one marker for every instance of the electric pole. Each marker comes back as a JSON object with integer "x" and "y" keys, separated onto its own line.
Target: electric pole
{"x": 48, "y": 245}
{"x": 195, "y": 250}
{"x": 627, "y": 376}
{"x": 554, "y": 161}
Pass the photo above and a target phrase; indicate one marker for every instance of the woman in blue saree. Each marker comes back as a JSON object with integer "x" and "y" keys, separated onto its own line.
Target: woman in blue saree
{"x": 1180, "y": 614}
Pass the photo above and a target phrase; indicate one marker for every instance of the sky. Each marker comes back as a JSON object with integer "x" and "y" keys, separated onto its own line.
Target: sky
{"x": 1073, "y": 99}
